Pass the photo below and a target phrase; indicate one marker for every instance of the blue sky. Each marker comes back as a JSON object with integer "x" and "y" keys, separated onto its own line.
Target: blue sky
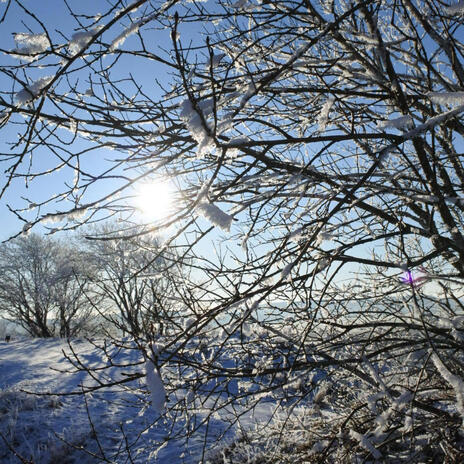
{"x": 60, "y": 24}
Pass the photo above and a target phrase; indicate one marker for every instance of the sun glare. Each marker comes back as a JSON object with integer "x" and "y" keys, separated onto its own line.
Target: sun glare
{"x": 155, "y": 199}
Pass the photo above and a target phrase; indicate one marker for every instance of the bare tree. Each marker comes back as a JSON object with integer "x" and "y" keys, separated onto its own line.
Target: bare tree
{"x": 324, "y": 138}
{"x": 135, "y": 282}
{"x": 43, "y": 287}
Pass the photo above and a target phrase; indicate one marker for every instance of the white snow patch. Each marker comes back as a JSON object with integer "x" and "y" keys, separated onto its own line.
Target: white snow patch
{"x": 453, "y": 380}
{"x": 366, "y": 444}
{"x": 80, "y": 39}
{"x": 121, "y": 38}
{"x": 446, "y": 98}
{"x": 286, "y": 271}
{"x": 240, "y": 4}
{"x": 203, "y": 193}
{"x": 237, "y": 141}
{"x": 156, "y": 387}
{"x": 323, "y": 117}
{"x": 457, "y": 8}
{"x": 215, "y": 215}
{"x": 216, "y": 58}
{"x": 32, "y": 91}
{"x": 196, "y": 127}
{"x": 403, "y": 122}
{"x": 128, "y": 31}
{"x": 397, "y": 406}
{"x": 29, "y": 44}
{"x": 434, "y": 121}
{"x": 297, "y": 235}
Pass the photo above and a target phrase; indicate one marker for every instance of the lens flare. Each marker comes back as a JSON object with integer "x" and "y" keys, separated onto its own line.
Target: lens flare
{"x": 413, "y": 279}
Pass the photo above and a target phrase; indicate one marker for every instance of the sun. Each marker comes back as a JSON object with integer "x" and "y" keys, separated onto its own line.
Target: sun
{"x": 154, "y": 199}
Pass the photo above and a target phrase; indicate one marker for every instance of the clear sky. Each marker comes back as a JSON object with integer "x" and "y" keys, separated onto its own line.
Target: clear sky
{"x": 60, "y": 25}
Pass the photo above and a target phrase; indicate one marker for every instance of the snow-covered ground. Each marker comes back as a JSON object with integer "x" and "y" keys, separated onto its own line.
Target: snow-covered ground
{"x": 55, "y": 428}
{"x": 115, "y": 424}
{"x": 223, "y": 405}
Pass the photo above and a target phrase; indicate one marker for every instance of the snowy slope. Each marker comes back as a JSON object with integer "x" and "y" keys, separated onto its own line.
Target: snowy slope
{"x": 50, "y": 428}
{"x": 77, "y": 429}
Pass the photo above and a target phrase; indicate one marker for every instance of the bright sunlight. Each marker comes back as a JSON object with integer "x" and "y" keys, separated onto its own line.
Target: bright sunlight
{"x": 154, "y": 200}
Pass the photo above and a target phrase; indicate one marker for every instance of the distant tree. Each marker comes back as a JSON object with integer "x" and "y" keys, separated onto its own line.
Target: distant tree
{"x": 135, "y": 282}
{"x": 318, "y": 145}
{"x": 43, "y": 287}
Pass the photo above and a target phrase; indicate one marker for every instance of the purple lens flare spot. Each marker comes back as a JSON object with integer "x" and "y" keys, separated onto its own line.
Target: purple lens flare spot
{"x": 412, "y": 278}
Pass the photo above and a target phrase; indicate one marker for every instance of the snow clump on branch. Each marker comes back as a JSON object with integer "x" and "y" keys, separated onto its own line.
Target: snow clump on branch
{"x": 401, "y": 123}
{"x": 215, "y": 215}
{"x": 323, "y": 117}
{"x": 457, "y": 8}
{"x": 155, "y": 386}
{"x": 456, "y": 382}
{"x": 196, "y": 126}
{"x": 80, "y": 39}
{"x": 128, "y": 31}
{"x": 29, "y": 45}
{"x": 446, "y": 98}
{"x": 32, "y": 91}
